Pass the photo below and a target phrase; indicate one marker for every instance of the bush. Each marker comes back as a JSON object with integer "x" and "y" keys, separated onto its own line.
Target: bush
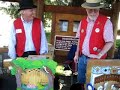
{"x": 48, "y": 35}
{"x": 117, "y": 43}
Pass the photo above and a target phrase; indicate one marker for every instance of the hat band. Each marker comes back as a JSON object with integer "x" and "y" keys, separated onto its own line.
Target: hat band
{"x": 93, "y": 4}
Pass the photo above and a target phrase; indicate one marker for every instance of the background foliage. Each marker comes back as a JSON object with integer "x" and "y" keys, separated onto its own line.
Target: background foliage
{"x": 118, "y": 43}
{"x": 11, "y": 10}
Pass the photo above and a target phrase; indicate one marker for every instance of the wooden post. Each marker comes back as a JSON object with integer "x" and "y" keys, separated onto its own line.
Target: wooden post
{"x": 114, "y": 18}
{"x": 40, "y": 8}
{"x": 53, "y": 28}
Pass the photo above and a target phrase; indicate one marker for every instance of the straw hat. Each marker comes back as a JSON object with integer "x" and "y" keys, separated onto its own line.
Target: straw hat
{"x": 92, "y": 4}
{"x": 26, "y": 4}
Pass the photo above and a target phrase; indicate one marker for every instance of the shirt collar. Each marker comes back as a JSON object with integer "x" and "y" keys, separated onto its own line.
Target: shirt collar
{"x": 26, "y": 21}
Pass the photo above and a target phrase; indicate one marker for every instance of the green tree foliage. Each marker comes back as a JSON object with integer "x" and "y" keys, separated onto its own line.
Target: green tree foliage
{"x": 108, "y": 3}
{"x": 118, "y": 43}
{"x": 57, "y": 2}
{"x": 11, "y": 10}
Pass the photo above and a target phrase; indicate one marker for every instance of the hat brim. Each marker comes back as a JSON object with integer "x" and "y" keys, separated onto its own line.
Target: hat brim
{"x": 23, "y": 8}
{"x": 90, "y": 6}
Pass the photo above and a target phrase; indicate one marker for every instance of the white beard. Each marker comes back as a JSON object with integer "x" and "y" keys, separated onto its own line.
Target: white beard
{"x": 91, "y": 17}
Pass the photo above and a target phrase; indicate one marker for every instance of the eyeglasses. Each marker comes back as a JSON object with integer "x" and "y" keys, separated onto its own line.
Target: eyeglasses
{"x": 92, "y": 10}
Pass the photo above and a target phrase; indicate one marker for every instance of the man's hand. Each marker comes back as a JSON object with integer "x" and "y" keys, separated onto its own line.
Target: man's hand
{"x": 76, "y": 59}
{"x": 95, "y": 56}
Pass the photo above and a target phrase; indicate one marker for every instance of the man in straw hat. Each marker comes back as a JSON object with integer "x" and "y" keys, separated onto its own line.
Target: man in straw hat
{"x": 27, "y": 35}
{"x": 95, "y": 35}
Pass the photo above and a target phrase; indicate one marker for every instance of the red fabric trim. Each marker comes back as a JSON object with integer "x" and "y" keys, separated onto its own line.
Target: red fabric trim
{"x": 20, "y": 37}
{"x": 82, "y": 32}
{"x": 36, "y": 34}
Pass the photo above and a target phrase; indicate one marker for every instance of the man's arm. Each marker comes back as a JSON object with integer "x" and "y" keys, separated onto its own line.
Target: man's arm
{"x": 44, "y": 44}
{"x": 77, "y": 53}
{"x": 105, "y": 49}
{"x": 12, "y": 43}
{"x": 77, "y": 50}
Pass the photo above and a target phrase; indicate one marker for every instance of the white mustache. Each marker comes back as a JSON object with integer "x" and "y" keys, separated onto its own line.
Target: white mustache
{"x": 92, "y": 17}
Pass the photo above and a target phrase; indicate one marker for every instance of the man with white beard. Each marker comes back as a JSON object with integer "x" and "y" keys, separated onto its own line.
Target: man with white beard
{"x": 95, "y": 35}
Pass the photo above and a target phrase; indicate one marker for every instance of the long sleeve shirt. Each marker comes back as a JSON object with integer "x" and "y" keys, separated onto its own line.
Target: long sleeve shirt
{"x": 29, "y": 45}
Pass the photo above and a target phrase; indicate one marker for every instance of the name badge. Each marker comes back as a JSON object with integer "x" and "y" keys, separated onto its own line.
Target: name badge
{"x": 18, "y": 30}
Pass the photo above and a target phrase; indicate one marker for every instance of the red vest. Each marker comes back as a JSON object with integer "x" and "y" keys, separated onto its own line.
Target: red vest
{"x": 96, "y": 39}
{"x": 21, "y": 38}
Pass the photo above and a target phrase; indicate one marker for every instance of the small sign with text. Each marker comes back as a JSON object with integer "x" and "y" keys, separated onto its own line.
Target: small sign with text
{"x": 64, "y": 42}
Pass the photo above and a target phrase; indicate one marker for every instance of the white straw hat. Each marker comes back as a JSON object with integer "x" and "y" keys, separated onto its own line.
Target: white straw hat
{"x": 92, "y": 4}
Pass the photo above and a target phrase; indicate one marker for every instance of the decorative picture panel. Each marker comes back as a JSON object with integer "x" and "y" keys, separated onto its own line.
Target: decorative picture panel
{"x": 103, "y": 74}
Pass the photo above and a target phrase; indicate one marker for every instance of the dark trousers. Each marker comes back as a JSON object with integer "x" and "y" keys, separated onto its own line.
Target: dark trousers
{"x": 26, "y": 54}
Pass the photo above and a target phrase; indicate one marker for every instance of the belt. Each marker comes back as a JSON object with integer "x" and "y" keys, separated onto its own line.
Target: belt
{"x": 84, "y": 55}
{"x": 30, "y": 52}
{"x": 26, "y": 54}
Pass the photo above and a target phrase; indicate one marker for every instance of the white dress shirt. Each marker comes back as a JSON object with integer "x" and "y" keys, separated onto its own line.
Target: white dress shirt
{"x": 29, "y": 46}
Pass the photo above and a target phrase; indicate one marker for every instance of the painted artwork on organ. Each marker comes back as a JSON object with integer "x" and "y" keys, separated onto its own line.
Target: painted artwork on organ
{"x": 104, "y": 77}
